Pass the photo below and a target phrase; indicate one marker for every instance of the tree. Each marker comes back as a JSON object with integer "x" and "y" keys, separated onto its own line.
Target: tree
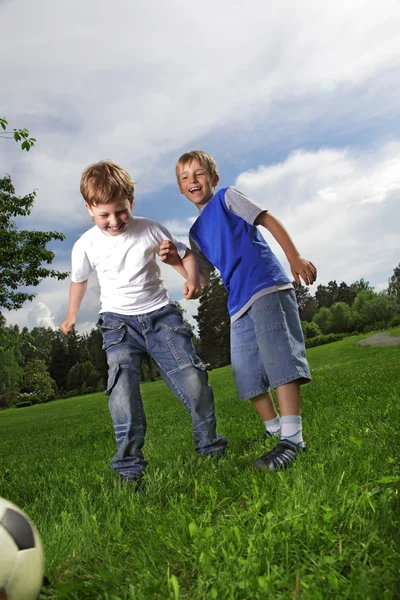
{"x": 323, "y": 319}
{"x": 340, "y": 321}
{"x": 22, "y": 252}
{"x": 374, "y": 310}
{"x": 306, "y": 303}
{"x": 394, "y": 284}
{"x": 326, "y": 295}
{"x": 36, "y": 379}
{"x": 345, "y": 294}
{"x": 214, "y": 323}
{"x": 83, "y": 376}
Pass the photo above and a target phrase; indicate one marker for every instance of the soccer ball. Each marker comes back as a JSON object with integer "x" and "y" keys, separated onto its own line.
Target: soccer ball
{"x": 21, "y": 555}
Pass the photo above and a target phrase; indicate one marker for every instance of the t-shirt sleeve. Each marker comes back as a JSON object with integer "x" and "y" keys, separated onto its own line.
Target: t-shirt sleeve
{"x": 166, "y": 235}
{"x": 242, "y": 206}
{"x": 204, "y": 263}
{"x": 81, "y": 266}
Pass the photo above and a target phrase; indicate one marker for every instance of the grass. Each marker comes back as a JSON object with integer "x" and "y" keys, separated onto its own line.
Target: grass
{"x": 326, "y": 528}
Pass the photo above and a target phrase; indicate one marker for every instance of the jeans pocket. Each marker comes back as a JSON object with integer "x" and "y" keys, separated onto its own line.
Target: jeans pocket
{"x": 112, "y": 378}
{"x": 112, "y": 335}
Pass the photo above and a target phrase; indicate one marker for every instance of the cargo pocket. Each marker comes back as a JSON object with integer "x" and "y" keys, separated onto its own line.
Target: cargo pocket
{"x": 112, "y": 378}
{"x": 112, "y": 335}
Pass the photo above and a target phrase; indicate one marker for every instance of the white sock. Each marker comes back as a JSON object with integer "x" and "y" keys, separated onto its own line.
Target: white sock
{"x": 273, "y": 426}
{"x": 292, "y": 429}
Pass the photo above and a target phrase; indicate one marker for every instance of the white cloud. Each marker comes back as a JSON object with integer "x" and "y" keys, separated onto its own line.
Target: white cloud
{"x": 341, "y": 207}
{"x": 40, "y": 316}
{"x": 146, "y": 80}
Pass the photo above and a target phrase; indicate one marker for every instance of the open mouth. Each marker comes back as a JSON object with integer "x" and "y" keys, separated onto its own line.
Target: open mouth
{"x": 196, "y": 188}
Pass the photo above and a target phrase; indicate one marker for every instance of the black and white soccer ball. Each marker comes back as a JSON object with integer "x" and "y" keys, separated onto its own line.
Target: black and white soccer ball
{"x": 21, "y": 555}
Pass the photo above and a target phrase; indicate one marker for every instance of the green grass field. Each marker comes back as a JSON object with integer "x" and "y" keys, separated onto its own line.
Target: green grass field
{"x": 200, "y": 529}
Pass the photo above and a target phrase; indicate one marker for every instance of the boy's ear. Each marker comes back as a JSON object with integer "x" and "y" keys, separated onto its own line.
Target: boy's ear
{"x": 132, "y": 201}
{"x": 215, "y": 180}
{"x": 89, "y": 208}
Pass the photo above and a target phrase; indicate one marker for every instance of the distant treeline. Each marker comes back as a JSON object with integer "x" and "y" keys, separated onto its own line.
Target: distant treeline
{"x": 43, "y": 364}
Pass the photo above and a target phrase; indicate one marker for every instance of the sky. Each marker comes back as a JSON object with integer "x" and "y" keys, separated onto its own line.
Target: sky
{"x": 298, "y": 102}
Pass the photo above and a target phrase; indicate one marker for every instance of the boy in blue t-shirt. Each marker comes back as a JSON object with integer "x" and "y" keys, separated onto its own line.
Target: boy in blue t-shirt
{"x": 267, "y": 344}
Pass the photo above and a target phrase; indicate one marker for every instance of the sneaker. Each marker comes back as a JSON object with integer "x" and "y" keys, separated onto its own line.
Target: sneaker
{"x": 279, "y": 457}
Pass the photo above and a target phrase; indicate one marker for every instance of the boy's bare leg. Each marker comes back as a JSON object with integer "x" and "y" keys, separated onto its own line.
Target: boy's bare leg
{"x": 289, "y": 398}
{"x": 264, "y": 405}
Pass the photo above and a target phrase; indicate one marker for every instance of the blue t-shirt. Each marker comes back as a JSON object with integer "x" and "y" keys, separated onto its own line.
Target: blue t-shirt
{"x": 247, "y": 264}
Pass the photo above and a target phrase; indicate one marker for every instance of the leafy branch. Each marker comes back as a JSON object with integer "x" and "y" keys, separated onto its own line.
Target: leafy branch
{"x": 19, "y": 135}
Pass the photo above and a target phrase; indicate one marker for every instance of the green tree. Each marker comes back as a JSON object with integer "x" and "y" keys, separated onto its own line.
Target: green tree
{"x": 345, "y": 294}
{"x": 394, "y": 284}
{"x": 36, "y": 379}
{"x": 10, "y": 372}
{"x": 83, "y": 376}
{"x": 306, "y": 303}
{"x": 326, "y": 295}
{"x": 310, "y": 330}
{"x": 59, "y": 364}
{"x": 323, "y": 319}
{"x": 22, "y": 252}
{"x": 371, "y": 310}
{"x": 214, "y": 323}
{"x": 340, "y": 318}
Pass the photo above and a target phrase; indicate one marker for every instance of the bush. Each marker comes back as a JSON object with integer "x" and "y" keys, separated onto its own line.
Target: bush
{"x": 395, "y": 321}
{"x": 29, "y": 396}
{"x": 8, "y": 399}
{"x": 310, "y": 330}
{"x": 23, "y": 404}
{"x": 320, "y": 340}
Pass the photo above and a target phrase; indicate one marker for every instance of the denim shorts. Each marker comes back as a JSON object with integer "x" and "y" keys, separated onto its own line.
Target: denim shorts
{"x": 267, "y": 345}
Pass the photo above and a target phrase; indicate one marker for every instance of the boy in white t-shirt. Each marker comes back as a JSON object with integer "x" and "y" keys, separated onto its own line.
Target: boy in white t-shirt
{"x": 138, "y": 316}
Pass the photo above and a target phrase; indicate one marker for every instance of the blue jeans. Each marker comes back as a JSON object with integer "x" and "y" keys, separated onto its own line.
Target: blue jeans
{"x": 161, "y": 334}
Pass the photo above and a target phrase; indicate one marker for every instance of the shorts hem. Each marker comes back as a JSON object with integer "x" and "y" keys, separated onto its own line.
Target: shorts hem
{"x": 306, "y": 378}
{"x": 253, "y": 394}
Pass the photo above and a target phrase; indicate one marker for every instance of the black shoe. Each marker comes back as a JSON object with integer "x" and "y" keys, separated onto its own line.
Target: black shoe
{"x": 280, "y": 457}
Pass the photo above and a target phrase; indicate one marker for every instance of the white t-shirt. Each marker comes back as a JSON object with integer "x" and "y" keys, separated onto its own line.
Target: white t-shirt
{"x": 129, "y": 276}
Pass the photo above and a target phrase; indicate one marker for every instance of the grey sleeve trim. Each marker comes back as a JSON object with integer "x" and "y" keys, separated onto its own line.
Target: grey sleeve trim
{"x": 204, "y": 263}
{"x": 242, "y": 206}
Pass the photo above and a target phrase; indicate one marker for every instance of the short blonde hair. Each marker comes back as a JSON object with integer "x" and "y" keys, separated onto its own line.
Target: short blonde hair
{"x": 204, "y": 159}
{"x": 105, "y": 182}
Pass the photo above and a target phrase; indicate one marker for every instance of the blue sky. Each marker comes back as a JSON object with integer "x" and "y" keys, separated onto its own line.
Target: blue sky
{"x": 298, "y": 103}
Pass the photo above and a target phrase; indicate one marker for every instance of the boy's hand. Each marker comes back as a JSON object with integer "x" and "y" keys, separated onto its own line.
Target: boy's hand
{"x": 168, "y": 253}
{"x": 303, "y": 268}
{"x": 191, "y": 290}
{"x": 67, "y": 326}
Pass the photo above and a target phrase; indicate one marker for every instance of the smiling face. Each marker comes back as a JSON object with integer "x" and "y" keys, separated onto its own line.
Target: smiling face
{"x": 196, "y": 183}
{"x": 113, "y": 217}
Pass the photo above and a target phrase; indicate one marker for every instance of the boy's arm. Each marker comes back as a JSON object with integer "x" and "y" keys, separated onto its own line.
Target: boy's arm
{"x": 187, "y": 267}
{"x": 76, "y": 294}
{"x": 299, "y": 266}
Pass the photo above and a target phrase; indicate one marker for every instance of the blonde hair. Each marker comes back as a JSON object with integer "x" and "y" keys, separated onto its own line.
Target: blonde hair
{"x": 204, "y": 159}
{"x": 105, "y": 182}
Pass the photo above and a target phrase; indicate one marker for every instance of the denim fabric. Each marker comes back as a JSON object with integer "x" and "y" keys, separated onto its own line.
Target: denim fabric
{"x": 161, "y": 334}
{"x": 267, "y": 345}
